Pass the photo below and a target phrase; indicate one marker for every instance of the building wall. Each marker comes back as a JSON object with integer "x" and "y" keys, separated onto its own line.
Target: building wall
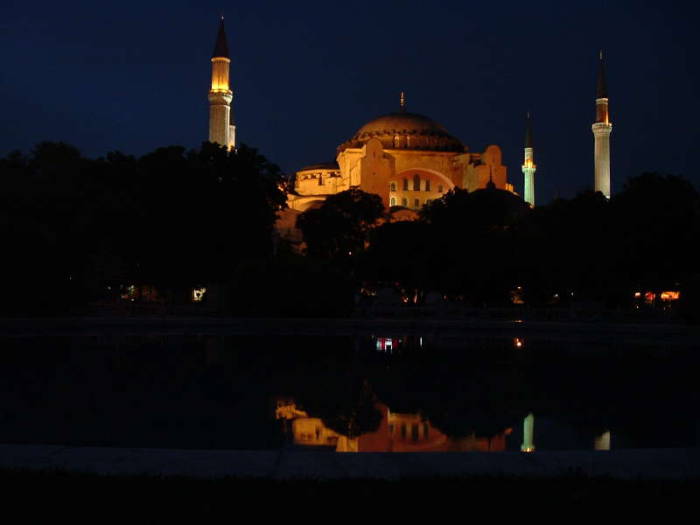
{"x": 321, "y": 181}
{"x": 381, "y": 171}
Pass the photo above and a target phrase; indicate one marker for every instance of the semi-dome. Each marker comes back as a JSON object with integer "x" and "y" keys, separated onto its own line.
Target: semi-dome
{"x": 405, "y": 131}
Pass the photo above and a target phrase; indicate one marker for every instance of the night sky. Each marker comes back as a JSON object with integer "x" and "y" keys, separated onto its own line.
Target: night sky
{"x": 133, "y": 76}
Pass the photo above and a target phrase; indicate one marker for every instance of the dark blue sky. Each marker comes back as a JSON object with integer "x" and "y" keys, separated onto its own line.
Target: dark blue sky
{"x": 133, "y": 76}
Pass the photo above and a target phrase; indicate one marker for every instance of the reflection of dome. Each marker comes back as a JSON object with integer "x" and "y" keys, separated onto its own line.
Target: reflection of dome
{"x": 405, "y": 131}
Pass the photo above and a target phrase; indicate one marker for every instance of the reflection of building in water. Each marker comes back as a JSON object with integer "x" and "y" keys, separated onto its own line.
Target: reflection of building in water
{"x": 602, "y": 442}
{"x": 528, "y": 434}
{"x": 396, "y": 433}
{"x": 392, "y": 344}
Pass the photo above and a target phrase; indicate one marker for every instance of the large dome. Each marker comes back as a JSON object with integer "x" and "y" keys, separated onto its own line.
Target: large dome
{"x": 405, "y": 131}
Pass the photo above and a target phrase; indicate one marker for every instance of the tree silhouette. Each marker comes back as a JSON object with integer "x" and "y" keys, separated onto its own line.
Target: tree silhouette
{"x": 339, "y": 228}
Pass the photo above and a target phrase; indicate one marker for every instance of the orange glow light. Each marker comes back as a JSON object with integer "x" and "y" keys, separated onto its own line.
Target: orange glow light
{"x": 670, "y": 296}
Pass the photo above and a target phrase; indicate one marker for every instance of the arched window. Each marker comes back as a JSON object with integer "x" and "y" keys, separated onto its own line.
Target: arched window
{"x": 416, "y": 183}
{"x": 392, "y": 186}
{"x": 393, "y": 201}
{"x": 427, "y": 184}
{"x": 416, "y": 203}
{"x": 440, "y": 188}
{"x": 320, "y": 179}
{"x": 405, "y": 185}
{"x": 404, "y": 202}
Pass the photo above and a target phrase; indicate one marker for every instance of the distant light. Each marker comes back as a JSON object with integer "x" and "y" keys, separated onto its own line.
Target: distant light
{"x": 670, "y": 296}
{"x": 518, "y": 342}
{"x": 198, "y": 294}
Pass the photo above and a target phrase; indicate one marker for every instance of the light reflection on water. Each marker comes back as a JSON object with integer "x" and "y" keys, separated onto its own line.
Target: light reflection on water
{"x": 395, "y": 433}
{"x": 391, "y": 392}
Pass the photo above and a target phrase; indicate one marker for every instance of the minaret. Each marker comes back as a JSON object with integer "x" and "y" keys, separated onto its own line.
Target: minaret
{"x": 221, "y": 128}
{"x": 528, "y": 434}
{"x": 601, "y": 130}
{"x": 529, "y": 167}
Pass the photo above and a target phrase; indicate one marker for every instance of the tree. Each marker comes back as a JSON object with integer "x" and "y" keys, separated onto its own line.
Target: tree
{"x": 475, "y": 243}
{"x": 339, "y": 228}
{"x": 76, "y": 227}
{"x": 656, "y": 221}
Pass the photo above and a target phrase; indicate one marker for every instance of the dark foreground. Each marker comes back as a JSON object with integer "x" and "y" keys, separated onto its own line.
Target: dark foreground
{"x": 44, "y": 496}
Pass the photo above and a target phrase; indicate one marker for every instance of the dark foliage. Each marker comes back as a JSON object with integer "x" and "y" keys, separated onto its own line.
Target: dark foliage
{"x": 76, "y": 228}
{"x": 339, "y": 227}
{"x": 481, "y": 246}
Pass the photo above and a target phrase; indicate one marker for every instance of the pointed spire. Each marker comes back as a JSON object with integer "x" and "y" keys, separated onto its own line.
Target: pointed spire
{"x": 221, "y": 45}
{"x": 402, "y": 102}
{"x": 602, "y": 87}
{"x": 528, "y": 130}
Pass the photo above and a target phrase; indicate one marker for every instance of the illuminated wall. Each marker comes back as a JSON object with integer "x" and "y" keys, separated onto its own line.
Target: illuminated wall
{"x": 396, "y": 433}
{"x": 375, "y": 169}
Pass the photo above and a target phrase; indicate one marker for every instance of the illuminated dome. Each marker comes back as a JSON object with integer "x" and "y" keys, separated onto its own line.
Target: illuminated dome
{"x": 408, "y": 131}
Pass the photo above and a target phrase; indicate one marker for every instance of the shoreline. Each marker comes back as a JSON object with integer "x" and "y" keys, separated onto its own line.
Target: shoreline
{"x": 285, "y": 464}
{"x": 440, "y": 330}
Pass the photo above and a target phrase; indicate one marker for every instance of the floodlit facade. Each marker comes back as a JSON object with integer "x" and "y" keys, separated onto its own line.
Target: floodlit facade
{"x": 406, "y": 158}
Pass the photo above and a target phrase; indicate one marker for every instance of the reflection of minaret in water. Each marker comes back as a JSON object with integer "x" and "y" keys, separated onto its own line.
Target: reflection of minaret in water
{"x": 529, "y": 168}
{"x": 601, "y": 131}
{"x": 602, "y": 442}
{"x": 222, "y": 131}
{"x": 528, "y": 434}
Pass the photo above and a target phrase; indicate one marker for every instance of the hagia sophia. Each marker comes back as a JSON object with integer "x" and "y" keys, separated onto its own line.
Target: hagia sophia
{"x": 406, "y": 158}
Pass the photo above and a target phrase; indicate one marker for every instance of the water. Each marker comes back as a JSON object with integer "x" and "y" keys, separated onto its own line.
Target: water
{"x": 368, "y": 393}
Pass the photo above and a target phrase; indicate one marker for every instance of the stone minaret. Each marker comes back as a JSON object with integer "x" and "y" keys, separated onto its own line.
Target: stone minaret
{"x": 528, "y": 434}
{"x": 601, "y": 130}
{"x": 221, "y": 128}
{"x": 529, "y": 167}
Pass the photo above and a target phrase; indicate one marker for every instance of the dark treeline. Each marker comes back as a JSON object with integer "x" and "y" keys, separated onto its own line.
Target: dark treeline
{"x": 488, "y": 247}
{"x": 78, "y": 232}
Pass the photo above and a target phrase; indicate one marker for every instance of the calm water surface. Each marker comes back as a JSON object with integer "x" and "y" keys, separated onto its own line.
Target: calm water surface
{"x": 381, "y": 393}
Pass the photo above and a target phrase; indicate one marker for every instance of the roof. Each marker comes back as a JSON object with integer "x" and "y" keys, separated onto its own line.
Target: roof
{"x": 423, "y": 133}
{"x": 221, "y": 45}
{"x": 331, "y": 165}
{"x": 528, "y": 131}
{"x": 602, "y": 86}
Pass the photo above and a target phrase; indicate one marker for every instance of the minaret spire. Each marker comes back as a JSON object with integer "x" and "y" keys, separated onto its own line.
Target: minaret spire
{"x": 602, "y": 85}
{"x": 221, "y": 128}
{"x": 221, "y": 45}
{"x": 402, "y": 102}
{"x": 602, "y": 128}
{"x": 529, "y": 168}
